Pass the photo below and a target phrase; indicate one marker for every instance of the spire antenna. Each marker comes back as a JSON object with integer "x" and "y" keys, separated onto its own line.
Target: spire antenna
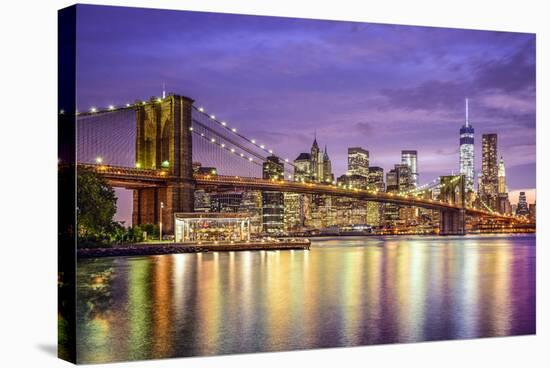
{"x": 467, "y": 118}
{"x": 163, "y": 91}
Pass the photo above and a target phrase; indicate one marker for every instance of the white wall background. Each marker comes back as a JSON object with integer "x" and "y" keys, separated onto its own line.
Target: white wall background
{"x": 28, "y": 156}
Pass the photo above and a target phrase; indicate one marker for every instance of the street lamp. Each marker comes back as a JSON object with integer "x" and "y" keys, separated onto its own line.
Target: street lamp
{"x": 160, "y": 218}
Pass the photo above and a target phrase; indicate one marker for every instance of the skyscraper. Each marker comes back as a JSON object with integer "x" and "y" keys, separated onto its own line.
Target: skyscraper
{"x": 272, "y": 202}
{"x": 252, "y": 204}
{"x": 409, "y": 158}
{"x": 316, "y": 161}
{"x": 501, "y": 177}
{"x": 489, "y": 170}
{"x": 328, "y": 177}
{"x": 503, "y": 203}
{"x": 314, "y": 166}
{"x": 358, "y": 161}
{"x": 522, "y": 208}
{"x": 467, "y": 152}
{"x": 273, "y": 168}
{"x": 375, "y": 211}
{"x": 398, "y": 180}
{"x": 302, "y": 167}
{"x": 376, "y": 179}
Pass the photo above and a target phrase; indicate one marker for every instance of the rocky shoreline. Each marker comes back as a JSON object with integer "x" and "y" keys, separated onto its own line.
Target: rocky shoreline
{"x": 173, "y": 248}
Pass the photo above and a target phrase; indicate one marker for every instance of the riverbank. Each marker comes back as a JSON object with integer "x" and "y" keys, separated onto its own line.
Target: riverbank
{"x": 147, "y": 249}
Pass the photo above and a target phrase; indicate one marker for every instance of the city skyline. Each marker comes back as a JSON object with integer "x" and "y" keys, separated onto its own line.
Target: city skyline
{"x": 385, "y": 88}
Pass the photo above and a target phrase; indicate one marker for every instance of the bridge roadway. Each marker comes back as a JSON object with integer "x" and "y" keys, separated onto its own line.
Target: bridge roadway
{"x": 134, "y": 178}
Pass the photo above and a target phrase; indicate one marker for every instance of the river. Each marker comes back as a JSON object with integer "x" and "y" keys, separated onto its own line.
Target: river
{"x": 345, "y": 291}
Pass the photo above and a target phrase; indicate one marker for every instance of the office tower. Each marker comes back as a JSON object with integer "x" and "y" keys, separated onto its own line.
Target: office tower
{"x": 467, "y": 152}
{"x": 391, "y": 211}
{"x": 273, "y": 202}
{"x": 501, "y": 177}
{"x": 503, "y": 203}
{"x": 202, "y": 201}
{"x": 314, "y": 166}
{"x": 398, "y": 180}
{"x": 533, "y": 212}
{"x": 405, "y": 178}
{"x": 409, "y": 158}
{"x": 316, "y": 161}
{"x": 358, "y": 161}
{"x": 293, "y": 214}
{"x": 328, "y": 177}
{"x": 225, "y": 202}
{"x": 251, "y": 204}
{"x": 406, "y": 184}
{"x": 522, "y": 208}
{"x": 489, "y": 170}
{"x": 375, "y": 211}
{"x": 376, "y": 179}
{"x": 302, "y": 167}
{"x": 353, "y": 181}
{"x": 273, "y": 168}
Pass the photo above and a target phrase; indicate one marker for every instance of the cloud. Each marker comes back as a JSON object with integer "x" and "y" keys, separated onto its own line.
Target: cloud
{"x": 364, "y": 128}
{"x": 509, "y": 74}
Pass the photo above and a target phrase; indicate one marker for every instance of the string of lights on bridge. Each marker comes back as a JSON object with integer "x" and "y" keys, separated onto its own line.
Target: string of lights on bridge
{"x": 231, "y": 129}
{"x": 225, "y": 147}
{"x": 234, "y": 131}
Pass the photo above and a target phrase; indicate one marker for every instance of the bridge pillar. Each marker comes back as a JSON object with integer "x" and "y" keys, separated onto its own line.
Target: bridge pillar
{"x": 453, "y": 221}
{"x": 164, "y": 141}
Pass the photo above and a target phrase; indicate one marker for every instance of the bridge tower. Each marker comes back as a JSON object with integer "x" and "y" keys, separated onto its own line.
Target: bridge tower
{"x": 453, "y": 221}
{"x": 164, "y": 141}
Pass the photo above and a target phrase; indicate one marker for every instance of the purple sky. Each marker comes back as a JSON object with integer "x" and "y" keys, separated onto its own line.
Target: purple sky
{"x": 382, "y": 87}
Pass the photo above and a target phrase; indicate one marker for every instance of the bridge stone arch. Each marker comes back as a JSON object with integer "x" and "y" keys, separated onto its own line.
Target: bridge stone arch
{"x": 453, "y": 221}
{"x": 163, "y": 141}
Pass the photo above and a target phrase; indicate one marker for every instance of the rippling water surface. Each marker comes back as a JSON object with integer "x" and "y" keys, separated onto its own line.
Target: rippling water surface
{"x": 343, "y": 292}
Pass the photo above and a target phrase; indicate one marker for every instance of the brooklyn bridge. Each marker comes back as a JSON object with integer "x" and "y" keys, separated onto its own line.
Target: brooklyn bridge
{"x": 154, "y": 148}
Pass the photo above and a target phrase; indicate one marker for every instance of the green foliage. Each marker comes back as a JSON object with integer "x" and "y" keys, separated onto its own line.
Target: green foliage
{"x": 134, "y": 234}
{"x": 96, "y": 207}
{"x": 152, "y": 231}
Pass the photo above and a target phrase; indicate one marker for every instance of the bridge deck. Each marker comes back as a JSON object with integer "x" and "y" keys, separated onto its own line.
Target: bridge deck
{"x": 134, "y": 178}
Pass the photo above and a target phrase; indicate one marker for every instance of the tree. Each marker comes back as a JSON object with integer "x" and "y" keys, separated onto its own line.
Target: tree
{"x": 96, "y": 207}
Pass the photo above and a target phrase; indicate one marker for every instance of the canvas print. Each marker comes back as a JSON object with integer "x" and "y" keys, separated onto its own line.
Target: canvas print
{"x": 238, "y": 184}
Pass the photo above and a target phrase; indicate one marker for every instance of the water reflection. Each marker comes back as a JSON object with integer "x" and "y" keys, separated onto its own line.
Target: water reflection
{"x": 343, "y": 292}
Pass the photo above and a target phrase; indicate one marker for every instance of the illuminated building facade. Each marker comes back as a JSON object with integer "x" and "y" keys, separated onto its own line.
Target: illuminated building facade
{"x": 202, "y": 201}
{"x": 501, "y": 177}
{"x": 293, "y": 214}
{"x": 302, "y": 168}
{"x": 489, "y": 169}
{"x": 375, "y": 210}
{"x": 409, "y": 158}
{"x": 272, "y": 202}
{"x": 251, "y": 204}
{"x": 467, "y": 152}
{"x": 353, "y": 181}
{"x": 503, "y": 202}
{"x": 225, "y": 202}
{"x": 315, "y": 166}
{"x": 533, "y": 212}
{"x": 211, "y": 227}
{"x": 523, "y": 207}
{"x": 358, "y": 161}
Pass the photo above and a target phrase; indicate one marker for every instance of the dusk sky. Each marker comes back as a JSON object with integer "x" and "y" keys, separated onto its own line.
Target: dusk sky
{"x": 382, "y": 87}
